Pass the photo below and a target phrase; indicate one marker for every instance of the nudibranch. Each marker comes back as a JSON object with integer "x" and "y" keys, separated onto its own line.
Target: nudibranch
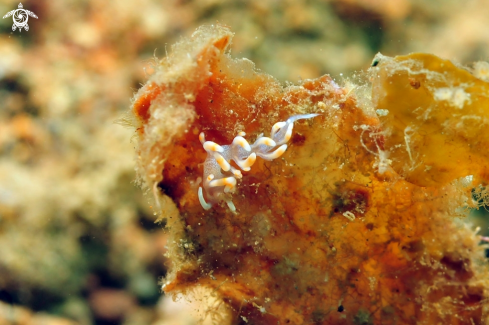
{"x": 220, "y": 176}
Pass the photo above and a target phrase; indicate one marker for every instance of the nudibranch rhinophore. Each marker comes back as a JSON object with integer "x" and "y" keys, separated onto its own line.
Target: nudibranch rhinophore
{"x": 220, "y": 176}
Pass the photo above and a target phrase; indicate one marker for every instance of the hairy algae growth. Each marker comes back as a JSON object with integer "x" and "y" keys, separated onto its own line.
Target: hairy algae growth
{"x": 355, "y": 223}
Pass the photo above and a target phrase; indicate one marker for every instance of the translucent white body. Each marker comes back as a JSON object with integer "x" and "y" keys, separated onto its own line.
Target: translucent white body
{"x": 220, "y": 177}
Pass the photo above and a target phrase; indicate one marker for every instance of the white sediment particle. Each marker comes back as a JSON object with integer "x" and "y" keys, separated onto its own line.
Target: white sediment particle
{"x": 260, "y": 308}
{"x": 443, "y": 94}
{"x": 350, "y": 216}
{"x": 372, "y": 283}
{"x": 481, "y": 70}
{"x": 382, "y": 112}
{"x": 408, "y": 131}
{"x": 460, "y": 97}
{"x": 455, "y": 97}
{"x": 467, "y": 180}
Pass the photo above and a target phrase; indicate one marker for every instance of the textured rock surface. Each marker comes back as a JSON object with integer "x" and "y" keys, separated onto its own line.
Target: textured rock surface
{"x": 339, "y": 230}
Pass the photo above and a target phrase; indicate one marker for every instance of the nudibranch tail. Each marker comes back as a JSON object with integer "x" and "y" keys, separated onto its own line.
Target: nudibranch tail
{"x": 220, "y": 176}
{"x": 294, "y": 118}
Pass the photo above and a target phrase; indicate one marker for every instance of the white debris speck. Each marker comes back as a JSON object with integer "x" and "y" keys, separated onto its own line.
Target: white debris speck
{"x": 456, "y": 97}
{"x": 260, "y": 308}
{"x": 443, "y": 94}
{"x": 350, "y": 216}
{"x": 467, "y": 180}
{"x": 382, "y": 112}
{"x": 460, "y": 97}
{"x": 481, "y": 70}
{"x": 372, "y": 283}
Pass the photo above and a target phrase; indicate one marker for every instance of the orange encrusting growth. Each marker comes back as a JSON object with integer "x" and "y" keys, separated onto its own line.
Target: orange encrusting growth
{"x": 443, "y": 122}
{"x": 143, "y": 102}
{"x": 322, "y": 235}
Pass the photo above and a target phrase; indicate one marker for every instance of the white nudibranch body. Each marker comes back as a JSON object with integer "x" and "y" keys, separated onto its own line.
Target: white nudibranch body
{"x": 220, "y": 176}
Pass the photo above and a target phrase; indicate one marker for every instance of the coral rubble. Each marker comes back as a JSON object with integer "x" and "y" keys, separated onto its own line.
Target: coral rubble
{"x": 355, "y": 223}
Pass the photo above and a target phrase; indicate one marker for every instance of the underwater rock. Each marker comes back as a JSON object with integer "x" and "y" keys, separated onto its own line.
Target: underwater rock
{"x": 348, "y": 225}
{"x": 438, "y": 113}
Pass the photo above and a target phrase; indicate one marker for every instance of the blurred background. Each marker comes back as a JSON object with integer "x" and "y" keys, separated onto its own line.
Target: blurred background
{"x": 78, "y": 242}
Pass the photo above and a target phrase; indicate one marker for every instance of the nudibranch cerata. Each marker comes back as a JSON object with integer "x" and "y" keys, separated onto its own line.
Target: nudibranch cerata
{"x": 220, "y": 176}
